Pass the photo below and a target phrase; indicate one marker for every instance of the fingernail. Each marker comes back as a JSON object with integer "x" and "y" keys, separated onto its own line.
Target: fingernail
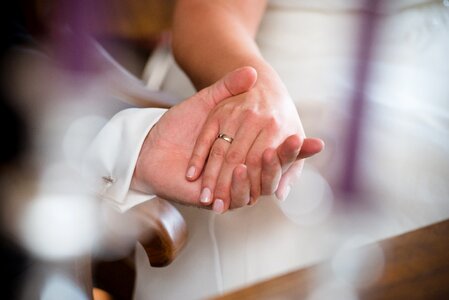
{"x": 190, "y": 172}
{"x": 218, "y": 206}
{"x": 287, "y": 191}
{"x": 205, "y": 196}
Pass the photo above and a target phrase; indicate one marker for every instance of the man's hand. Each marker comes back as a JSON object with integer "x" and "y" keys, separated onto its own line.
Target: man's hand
{"x": 163, "y": 159}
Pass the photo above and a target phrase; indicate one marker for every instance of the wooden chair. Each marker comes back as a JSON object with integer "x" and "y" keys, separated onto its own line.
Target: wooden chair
{"x": 162, "y": 233}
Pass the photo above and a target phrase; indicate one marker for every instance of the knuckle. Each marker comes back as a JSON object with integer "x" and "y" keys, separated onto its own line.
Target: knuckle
{"x": 251, "y": 113}
{"x": 221, "y": 192}
{"x": 236, "y": 113}
{"x": 209, "y": 180}
{"x": 217, "y": 152}
{"x": 273, "y": 123}
{"x": 207, "y": 139}
{"x": 229, "y": 110}
{"x": 234, "y": 157}
{"x": 269, "y": 160}
{"x": 253, "y": 159}
{"x": 197, "y": 157}
{"x": 230, "y": 107}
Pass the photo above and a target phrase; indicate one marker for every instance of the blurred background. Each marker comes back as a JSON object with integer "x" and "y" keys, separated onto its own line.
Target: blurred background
{"x": 64, "y": 65}
{"x": 68, "y": 66}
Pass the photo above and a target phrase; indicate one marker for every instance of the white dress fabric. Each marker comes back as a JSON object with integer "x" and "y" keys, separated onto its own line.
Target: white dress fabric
{"x": 403, "y": 159}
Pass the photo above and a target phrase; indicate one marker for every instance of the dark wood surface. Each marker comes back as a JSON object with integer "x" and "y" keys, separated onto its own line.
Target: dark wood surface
{"x": 416, "y": 267}
{"x": 163, "y": 234}
{"x": 163, "y": 230}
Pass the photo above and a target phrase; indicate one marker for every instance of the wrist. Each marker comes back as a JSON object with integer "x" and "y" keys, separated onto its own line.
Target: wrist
{"x": 139, "y": 181}
{"x": 270, "y": 85}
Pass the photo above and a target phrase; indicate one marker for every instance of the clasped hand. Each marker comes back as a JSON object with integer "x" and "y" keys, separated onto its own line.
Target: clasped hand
{"x": 221, "y": 175}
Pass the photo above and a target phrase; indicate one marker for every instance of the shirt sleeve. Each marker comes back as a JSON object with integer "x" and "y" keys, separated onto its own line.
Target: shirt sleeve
{"x": 109, "y": 162}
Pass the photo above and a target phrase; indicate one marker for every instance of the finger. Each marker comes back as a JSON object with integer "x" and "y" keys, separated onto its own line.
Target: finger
{"x": 240, "y": 188}
{"x": 210, "y": 175}
{"x": 236, "y": 82}
{"x": 271, "y": 172}
{"x": 288, "y": 178}
{"x": 289, "y": 150}
{"x": 310, "y": 147}
{"x": 201, "y": 149}
{"x": 235, "y": 155}
{"x": 254, "y": 163}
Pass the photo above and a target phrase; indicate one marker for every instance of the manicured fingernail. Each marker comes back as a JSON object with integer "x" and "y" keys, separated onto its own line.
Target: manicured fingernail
{"x": 218, "y": 206}
{"x": 287, "y": 191}
{"x": 190, "y": 172}
{"x": 205, "y": 196}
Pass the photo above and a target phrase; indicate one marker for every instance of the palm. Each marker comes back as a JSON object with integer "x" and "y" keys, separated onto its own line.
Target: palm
{"x": 167, "y": 149}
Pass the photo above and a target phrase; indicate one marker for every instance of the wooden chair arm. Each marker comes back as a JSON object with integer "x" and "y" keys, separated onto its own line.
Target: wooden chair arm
{"x": 163, "y": 234}
{"x": 163, "y": 230}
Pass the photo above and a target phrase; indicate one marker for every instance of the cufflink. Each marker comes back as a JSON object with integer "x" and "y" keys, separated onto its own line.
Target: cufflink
{"x": 108, "y": 179}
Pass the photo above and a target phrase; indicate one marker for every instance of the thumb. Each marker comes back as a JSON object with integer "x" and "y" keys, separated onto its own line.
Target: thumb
{"x": 236, "y": 82}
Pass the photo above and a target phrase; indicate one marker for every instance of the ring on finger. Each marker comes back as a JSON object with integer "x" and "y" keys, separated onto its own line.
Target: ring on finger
{"x": 225, "y": 137}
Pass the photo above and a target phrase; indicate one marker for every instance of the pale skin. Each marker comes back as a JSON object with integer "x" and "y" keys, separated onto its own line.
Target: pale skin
{"x": 170, "y": 142}
{"x": 210, "y": 38}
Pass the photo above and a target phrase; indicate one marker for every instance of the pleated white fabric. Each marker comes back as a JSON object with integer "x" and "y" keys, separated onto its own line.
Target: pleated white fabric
{"x": 403, "y": 163}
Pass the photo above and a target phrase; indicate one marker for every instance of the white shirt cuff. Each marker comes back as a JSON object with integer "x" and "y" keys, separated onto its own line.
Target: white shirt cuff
{"x": 111, "y": 158}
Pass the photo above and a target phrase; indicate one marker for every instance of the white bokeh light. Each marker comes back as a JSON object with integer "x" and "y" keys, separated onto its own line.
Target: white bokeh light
{"x": 59, "y": 287}
{"x": 310, "y": 199}
{"x": 59, "y": 226}
{"x": 117, "y": 233}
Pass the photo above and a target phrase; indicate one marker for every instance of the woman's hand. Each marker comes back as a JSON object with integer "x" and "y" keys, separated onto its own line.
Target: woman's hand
{"x": 257, "y": 120}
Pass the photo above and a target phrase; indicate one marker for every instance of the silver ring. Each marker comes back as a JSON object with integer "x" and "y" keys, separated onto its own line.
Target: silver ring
{"x": 225, "y": 137}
